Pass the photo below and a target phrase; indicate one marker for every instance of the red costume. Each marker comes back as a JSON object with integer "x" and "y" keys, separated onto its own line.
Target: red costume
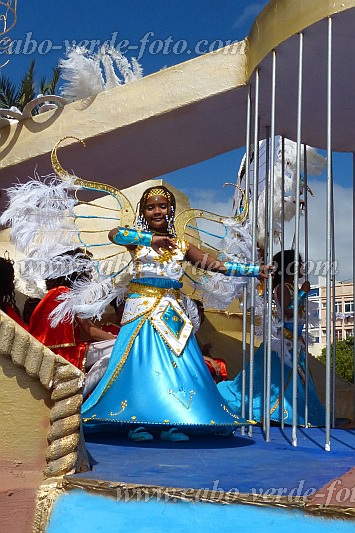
{"x": 64, "y": 339}
{"x": 12, "y": 313}
{"x": 222, "y": 365}
{"x": 111, "y": 328}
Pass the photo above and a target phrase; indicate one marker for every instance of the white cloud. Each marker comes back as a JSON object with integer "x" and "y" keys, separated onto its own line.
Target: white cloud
{"x": 343, "y": 228}
{"x": 206, "y": 199}
{"x": 343, "y": 214}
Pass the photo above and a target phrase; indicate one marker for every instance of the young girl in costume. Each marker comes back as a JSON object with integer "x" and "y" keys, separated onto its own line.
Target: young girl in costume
{"x": 232, "y": 390}
{"x": 7, "y": 291}
{"x": 156, "y": 378}
{"x": 69, "y": 339}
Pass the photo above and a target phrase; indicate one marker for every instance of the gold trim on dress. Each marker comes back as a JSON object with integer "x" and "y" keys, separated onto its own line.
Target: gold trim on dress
{"x": 150, "y": 290}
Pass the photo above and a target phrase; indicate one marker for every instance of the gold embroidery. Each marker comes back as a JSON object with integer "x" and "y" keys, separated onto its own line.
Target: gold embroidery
{"x": 158, "y": 192}
{"x": 150, "y": 291}
{"x": 227, "y": 410}
{"x": 192, "y": 393}
{"x": 124, "y": 357}
{"x": 123, "y": 407}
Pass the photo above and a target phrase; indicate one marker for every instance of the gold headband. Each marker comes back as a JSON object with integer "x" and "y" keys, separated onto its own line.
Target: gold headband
{"x": 158, "y": 192}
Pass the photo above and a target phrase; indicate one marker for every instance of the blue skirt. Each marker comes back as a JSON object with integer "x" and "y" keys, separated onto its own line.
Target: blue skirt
{"x": 146, "y": 384}
{"x": 232, "y": 392}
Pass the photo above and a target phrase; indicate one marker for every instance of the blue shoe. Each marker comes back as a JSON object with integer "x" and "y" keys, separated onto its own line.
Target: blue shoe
{"x": 174, "y": 435}
{"x": 139, "y": 435}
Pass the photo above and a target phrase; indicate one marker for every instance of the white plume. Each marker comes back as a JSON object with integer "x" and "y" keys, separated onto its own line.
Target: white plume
{"x": 87, "y": 74}
{"x": 87, "y": 299}
{"x": 82, "y": 73}
{"x": 40, "y": 215}
{"x": 191, "y": 311}
{"x": 286, "y": 197}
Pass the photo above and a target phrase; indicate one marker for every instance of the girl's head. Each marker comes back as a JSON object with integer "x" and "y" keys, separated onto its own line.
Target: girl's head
{"x": 157, "y": 210}
{"x": 68, "y": 279}
{"x": 289, "y": 265}
{"x": 7, "y": 283}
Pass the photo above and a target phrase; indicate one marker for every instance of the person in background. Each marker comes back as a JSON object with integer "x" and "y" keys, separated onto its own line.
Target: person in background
{"x": 7, "y": 291}
{"x": 29, "y": 307}
{"x": 232, "y": 390}
{"x": 216, "y": 365}
{"x": 66, "y": 339}
{"x": 115, "y": 327}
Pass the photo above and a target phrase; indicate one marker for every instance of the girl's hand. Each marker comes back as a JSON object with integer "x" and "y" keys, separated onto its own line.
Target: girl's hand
{"x": 162, "y": 242}
{"x": 265, "y": 271}
{"x": 214, "y": 365}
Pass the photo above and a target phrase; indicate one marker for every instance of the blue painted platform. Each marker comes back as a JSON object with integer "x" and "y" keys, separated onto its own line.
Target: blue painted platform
{"x": 80, "y": 512}
{"x": 239, "y": 463}
{"x": 159, "y": 486}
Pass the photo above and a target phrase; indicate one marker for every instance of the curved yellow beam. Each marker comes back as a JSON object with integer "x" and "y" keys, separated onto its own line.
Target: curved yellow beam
{"x": 281, "y": 19}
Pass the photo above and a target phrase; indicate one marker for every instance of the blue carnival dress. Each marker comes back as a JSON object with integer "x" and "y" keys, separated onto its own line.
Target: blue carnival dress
{"x": 232, "y": 390}
{"x": 156, "y": 376}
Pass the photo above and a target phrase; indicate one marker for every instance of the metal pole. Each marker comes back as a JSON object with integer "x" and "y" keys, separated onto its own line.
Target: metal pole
{"x": 245, "y": 295}
{"x": 282, "y": 402}
{"x": 333, "y": 281}
{"x": 265, "y": 298}
{"x": 271, "y": 244}
{"x": 354, "y": 276}
{"x": 254, "y": 245}
{"x": 328, "y": 239}
{"x": 306, "y": 256}
{"x": 297, "y": 251}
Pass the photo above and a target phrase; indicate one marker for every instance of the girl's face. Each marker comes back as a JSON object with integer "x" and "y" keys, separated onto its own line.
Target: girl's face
{"x": 155, "y": 212}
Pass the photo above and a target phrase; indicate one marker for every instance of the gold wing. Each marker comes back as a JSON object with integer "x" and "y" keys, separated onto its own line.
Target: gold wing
{"x": 99, "y": 207}
{"x": 210, "y": 237}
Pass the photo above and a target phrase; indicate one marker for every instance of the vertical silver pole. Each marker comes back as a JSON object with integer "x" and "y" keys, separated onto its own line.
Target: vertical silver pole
{"x": 333, "y": 281}
{"x": 297, "y": 246}
{"x": 282, "y": 303}
{"x": 245, "y": 296}
{"x": 270, "y": 244}
{"x": 328, "y": 239}
{"x": 306, "y": 257}
{"x": 254, "y": 245}
{"x": 354, "y": 275}
{"x": 265, "y": 297}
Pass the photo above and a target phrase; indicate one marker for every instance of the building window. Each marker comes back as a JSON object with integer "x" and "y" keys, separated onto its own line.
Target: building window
{"x": 338, "y": 307}
{"x": 349, "y": 307}
{"x": 317, "y": 340}
{"x": 349, "y": 333}
{"x": 338, "y": 334}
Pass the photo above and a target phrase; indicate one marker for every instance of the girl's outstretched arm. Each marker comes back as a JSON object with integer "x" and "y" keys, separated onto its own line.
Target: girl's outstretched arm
{"x": 207, "y": 262}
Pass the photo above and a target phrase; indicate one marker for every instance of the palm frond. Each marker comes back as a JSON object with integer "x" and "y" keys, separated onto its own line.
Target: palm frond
{"x": 49, "y": 88}
{"x": 27, "y": 90}
{"x": 8, "y": 93}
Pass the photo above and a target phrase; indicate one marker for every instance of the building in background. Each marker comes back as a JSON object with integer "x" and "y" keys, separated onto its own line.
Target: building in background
{"x": 343, "y": 309}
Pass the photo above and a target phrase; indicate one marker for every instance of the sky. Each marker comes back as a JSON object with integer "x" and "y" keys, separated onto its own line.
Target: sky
{"x": 161, "y": 33}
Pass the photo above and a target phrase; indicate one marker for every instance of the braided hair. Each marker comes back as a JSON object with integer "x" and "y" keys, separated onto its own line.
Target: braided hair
{"x": 160, "y": 190}
{"x": 7, "y": 284}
